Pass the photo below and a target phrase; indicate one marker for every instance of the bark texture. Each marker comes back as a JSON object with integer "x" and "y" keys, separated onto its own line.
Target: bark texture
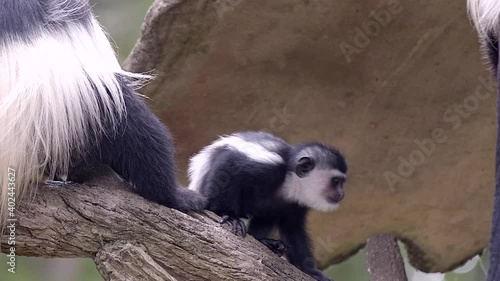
{"x": 383, "y": 259}
{"x": 130, "y": 238}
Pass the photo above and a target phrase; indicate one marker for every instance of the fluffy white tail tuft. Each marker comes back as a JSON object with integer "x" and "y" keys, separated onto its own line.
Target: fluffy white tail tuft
{"x": 485, "y": 15}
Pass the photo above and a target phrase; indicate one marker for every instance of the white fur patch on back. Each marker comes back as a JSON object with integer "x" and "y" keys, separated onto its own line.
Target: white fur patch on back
{"x": 310, "y": 190}
{"x": 199, "y": 164}
{"x": 48, "y": 103}
{"x": 486, "y": 16}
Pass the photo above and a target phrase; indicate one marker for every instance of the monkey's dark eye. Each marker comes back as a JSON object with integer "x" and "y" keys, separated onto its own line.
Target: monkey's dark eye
{"x": 304, "y": 166}
{"x": 337, "y": 181}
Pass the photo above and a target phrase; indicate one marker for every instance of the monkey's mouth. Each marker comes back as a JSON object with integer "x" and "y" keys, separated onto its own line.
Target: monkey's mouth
{"x": 333, "y": 199}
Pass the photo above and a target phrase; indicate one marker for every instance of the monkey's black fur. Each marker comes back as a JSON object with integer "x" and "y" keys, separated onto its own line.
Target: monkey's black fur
{"x": 240, "y": 188}
{"x": 494, "y": 269}
{"x": 140, "y": 149}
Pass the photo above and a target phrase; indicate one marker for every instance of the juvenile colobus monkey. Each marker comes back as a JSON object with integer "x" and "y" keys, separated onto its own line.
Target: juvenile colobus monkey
{"x": 259, "y": 176}
{"x": 486, "y": 17}
{"x": 65, "y": 103}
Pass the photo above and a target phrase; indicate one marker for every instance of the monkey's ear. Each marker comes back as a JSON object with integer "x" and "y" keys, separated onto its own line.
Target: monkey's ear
{"x": 304, "y": 166}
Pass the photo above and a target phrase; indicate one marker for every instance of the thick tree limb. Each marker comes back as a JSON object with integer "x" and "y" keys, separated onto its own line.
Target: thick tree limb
{"x": 383, "y": 259}
{"x": 112, "y": 263}
{"x": 131, "y": 238}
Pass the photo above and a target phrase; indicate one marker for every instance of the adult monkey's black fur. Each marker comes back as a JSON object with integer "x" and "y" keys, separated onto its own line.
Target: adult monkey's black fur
{"x": 486, "y": 16}
{"x": 66, "y": 104}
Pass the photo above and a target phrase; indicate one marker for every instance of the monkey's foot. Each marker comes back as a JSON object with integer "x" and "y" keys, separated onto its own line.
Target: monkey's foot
{"x": 237, "y": 223}
{"x": 276, "y": 246}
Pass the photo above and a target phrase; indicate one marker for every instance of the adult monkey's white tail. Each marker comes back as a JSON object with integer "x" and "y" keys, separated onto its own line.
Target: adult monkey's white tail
{"x": 486, "y": 17}
{"x": 57, "y": 85}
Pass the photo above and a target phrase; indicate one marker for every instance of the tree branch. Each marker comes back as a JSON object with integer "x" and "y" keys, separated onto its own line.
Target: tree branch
{"x": 383, "y": 259}
{"x": 112, "y": 263}
{"x": 131, "y": 238}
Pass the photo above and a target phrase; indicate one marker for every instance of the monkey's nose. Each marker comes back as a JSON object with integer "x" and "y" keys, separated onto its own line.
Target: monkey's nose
{"x": 340, "y": 194}
{"x": 335, "y": 196}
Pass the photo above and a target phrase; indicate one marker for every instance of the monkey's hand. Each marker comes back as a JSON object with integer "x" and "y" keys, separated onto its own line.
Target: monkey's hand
{"x": 277, "y": 246}
{"x": 237, "y": 223}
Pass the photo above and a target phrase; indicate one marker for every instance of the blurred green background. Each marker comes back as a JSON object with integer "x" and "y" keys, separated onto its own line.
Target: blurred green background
{"x": 123, "y": 19}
